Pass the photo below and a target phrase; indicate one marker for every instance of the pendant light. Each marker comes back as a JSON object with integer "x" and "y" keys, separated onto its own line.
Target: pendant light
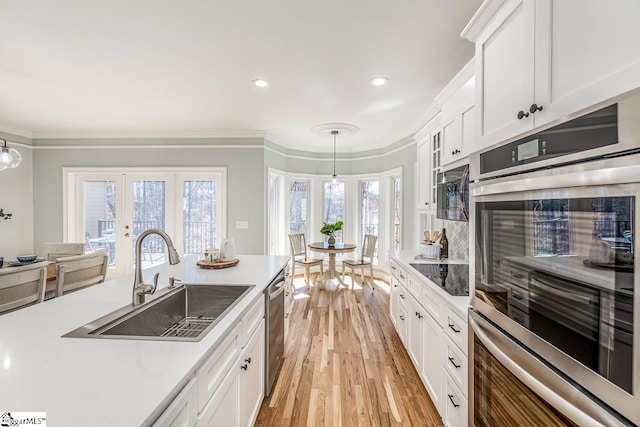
{"x": 9, "y": 157}
{"x": 334, "y": 177}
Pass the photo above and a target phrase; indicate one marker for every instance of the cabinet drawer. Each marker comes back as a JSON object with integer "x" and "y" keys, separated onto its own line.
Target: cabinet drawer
{"x": 210, "y": 375}
{"x": 456, "y": 328}
{"x": 455, "y": 412}
{"x": 403, "y": 294}
{"x": 402, "y": 325}
{"x": 433, "y": 304}
{"x": 251, "y": 320}
{"x": 183, "y": 411}
{"x": 456, "y": 364}
{"x": 394, "y": 269}
{"x": 402, "y": 276}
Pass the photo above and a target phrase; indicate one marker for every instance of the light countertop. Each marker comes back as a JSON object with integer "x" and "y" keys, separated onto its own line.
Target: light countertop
{"x": 109, "y": 382}
{"x": 459, "y": 303}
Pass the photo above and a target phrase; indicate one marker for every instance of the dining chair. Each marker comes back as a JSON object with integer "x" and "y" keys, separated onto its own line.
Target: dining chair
{"x": 80, "y": 271}
{"x": 22, "y": 286}
{"x": 368, "y": 249}
{"x": 55, "y": 250}
{"x": 299, "y": 256}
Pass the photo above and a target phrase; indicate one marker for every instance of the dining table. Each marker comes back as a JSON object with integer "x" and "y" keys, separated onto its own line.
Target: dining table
{"x": 337, "y": 248}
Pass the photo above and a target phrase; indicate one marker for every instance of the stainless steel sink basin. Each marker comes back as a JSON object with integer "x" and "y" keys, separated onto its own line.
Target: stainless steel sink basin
{"x": 186, "y": 313}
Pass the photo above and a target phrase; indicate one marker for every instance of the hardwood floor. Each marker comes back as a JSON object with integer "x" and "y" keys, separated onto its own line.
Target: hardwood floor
{"x": 345, "y": 365}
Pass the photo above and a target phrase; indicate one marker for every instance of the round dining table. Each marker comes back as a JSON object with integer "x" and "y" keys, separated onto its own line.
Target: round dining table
{"x": 338, "y": 248}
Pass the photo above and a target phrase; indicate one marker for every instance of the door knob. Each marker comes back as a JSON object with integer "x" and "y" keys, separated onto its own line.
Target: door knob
{"x": 522, "y": 115}
{"x": 535, "y": 107}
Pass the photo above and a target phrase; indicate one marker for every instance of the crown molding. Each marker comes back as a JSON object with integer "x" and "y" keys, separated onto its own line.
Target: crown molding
{"x": 463, "y": 76}
{"x": 480, "y": 19}
{"x": 16, "y": 132}
{"x": 140, "y": 135}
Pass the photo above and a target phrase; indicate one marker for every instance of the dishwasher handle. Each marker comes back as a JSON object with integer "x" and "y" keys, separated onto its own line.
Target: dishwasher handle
{"x": 276, "y": 294}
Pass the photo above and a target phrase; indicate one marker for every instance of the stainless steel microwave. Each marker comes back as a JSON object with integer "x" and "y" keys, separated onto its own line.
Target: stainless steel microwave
{"x": 453, "y": 194}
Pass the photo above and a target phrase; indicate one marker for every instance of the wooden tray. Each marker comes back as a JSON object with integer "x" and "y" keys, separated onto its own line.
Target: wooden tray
{"x": 217, "y": 265}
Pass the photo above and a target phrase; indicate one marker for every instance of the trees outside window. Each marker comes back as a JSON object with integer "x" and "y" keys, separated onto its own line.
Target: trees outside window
{"x": 334, "y": 205}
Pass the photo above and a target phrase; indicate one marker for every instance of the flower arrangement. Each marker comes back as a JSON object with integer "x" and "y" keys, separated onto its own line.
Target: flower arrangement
{"x": 4, "y": 215}
{"x": 329, "y": 229}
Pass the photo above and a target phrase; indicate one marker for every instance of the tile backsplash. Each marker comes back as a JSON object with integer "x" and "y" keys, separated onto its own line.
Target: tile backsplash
{"x": 458, "y": 235}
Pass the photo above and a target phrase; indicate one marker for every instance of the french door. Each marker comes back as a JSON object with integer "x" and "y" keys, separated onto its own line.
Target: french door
{"x": 109, "y": 210}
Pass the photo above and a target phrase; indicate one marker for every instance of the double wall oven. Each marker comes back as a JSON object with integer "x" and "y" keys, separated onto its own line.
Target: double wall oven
{"x": 555, "y": 305}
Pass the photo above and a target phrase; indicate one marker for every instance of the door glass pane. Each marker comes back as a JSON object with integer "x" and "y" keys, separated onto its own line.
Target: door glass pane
{"x": 149, "y": 206}
{"x": 298, "y": 207}
{"x": 334, "y": 206}
{"x": 369, "y": 209}
{"x": 199, "y": 208}
{"x": 100, "y": 217}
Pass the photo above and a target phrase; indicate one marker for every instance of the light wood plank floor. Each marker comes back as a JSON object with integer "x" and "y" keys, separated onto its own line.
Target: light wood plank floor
{"x": 345, "y": 365}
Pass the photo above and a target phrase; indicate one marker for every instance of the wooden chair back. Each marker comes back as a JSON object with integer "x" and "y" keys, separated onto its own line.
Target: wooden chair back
{"x": 62, "y": 250}
{"x": 369, "y": 246}
{"x": 80, "y": 271}
{"x": 22, "y": 286}
{"x": 298, "y": 245}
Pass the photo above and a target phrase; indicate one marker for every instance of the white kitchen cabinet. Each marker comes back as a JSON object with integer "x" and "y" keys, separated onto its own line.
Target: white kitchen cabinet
{"x": 455, "y": 364}
{"x": 237, "y": 400}
{"x": 458, "y": 116}
{"x": 429, "y": 155}
{"x": 288, "y": 305}
{"x": 183, "y": 411}
{"x": 540, "y": 60}
{"x": 431, "y": 371}
{"x": 455, "y": 406}
{"x": 415, "y": 315}
{"x": 393, "y": 299}
{"x": 252, "y": 367}
{"x": 223, "y": 408}
{"x": 402, "y": 322}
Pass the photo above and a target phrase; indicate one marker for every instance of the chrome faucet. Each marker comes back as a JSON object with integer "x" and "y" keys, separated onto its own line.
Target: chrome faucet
{"x": 140, "y": 289}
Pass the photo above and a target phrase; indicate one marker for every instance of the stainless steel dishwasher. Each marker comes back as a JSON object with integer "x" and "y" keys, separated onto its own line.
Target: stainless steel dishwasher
{"x": 274, "y": 329}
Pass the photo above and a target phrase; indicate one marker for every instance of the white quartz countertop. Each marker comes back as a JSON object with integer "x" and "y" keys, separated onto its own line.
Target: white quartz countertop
{"x": 459, "y": 303}
{"x": 109, "y": 382}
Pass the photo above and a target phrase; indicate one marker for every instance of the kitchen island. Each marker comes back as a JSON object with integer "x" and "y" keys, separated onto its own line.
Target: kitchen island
{"x": 108, "y": 382}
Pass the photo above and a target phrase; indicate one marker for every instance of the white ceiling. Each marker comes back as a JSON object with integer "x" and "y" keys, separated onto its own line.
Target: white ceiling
{"x": 153, "y": 68}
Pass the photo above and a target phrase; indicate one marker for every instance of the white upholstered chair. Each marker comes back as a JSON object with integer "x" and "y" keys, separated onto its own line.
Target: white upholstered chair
{"x": 22, "y": 286}
{"x": 299, "y": 256}
{"x": 80, "y": 271}
{"x": 365, "y": 261}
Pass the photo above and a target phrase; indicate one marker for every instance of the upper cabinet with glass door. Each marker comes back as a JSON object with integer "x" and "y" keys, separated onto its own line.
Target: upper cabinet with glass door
{"x": 429, "y": 154}
{"x": 540, "y": 60}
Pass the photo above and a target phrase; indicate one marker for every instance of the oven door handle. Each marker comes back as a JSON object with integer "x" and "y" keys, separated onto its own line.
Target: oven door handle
{"x": 560, "y": 293}
{"x": 563, "y": 405}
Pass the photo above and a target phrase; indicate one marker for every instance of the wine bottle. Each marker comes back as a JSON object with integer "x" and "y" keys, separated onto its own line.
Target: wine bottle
{"x": 444, "y": 245}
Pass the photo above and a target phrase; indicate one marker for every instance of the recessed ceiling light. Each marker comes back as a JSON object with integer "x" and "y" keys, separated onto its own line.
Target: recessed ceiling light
{"x": 379, "y": 81}
{"x": 261, "y": 83}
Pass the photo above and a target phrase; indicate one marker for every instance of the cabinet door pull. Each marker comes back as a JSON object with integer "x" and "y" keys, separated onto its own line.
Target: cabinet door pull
{"x": 402, "y": 296}
{"x": 401, "y": 317}
{"x": 451, "y": 325}
{"x": 455, "y": 405}
{"x": 522, "y": 115}
{"x": 452, "y": 360}
{"x": 244, "y": 367}
{"x": 456, "y": 151}
{"x": 402, "y": 276}
{"x": 248, "y": 360}
{"x": 535, "y": 107}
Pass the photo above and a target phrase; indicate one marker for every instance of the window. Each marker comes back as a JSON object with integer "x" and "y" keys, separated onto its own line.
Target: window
{"x": 395, "y": 214}
{"x": 199, "y": 213}
{"x": 334, "y": 205}
{"x": 370, "y": 209}
{"x": 298, "y": 206}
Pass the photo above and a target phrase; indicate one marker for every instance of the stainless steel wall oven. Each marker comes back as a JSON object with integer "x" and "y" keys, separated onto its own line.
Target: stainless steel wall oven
{"x": 555, "y": 305}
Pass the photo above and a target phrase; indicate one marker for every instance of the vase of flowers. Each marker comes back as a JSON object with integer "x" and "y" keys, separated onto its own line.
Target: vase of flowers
{"x": 329, "y": 229}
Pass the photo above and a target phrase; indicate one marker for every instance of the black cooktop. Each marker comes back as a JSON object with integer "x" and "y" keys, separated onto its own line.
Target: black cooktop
{"x": 453, "y": 278}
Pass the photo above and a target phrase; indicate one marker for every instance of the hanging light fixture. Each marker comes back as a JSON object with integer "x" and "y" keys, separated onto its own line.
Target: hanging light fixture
{"x": 334, "y": 177}
{"x": 9, "y": 157}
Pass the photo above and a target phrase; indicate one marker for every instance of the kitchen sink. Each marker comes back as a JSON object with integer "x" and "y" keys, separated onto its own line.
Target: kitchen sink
{"x": 186, "y": 313}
